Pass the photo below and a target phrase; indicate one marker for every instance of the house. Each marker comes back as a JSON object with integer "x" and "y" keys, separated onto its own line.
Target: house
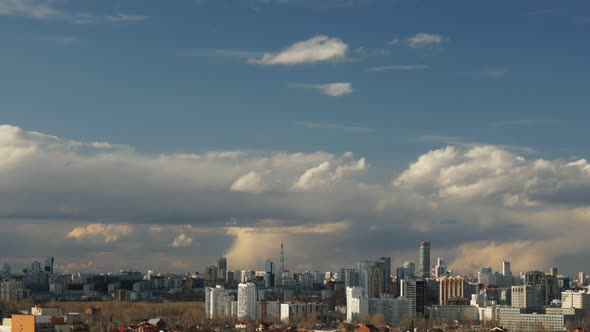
{"x": 157, "y": 322}
{"x": 367, "y": 328}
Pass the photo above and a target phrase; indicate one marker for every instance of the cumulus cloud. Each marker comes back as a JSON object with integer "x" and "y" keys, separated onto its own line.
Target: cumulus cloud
{"x": 251, "y": 182}
{"x": 423, "y": 39}
{"x": 106, "y": 232}
{"x": 182, "y": 241}
{"x": 459, "y": 197}
{"x": 331, "y": 89}
{"x": 492, "y": 172}
{"x": 316, "y": 49}
{"x": 323, "y": 174}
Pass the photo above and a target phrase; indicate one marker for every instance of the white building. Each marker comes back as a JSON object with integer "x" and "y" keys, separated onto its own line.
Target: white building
{"x": 247, "y": 301}
{"x": 353, "y": 309}
{"x": 578, "y": 300}
{"x": 358, "y": 306}
{"x": 217, "y": 302}
{"x": 515, "y": 319}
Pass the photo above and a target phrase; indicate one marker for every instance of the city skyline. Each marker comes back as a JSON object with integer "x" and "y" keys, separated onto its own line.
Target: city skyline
{"x": 159, "y": 136}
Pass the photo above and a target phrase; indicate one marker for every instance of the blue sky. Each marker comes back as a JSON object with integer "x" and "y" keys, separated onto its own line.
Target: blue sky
{"x": 181, "y": 77}
{"x": 157, "y": 82}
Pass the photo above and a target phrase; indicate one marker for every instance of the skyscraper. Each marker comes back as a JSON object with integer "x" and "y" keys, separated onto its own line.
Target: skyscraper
{"x": 375, "y": 281}
{"x": 385, "y": 262}
{"x": 441, "y": 268}
{"x": 351, "y": 277}
{"x": 424, "y": 268}
{"x": 35, "y": 267}
{"x": 222, "y": 269}
{"x": 506, "y": 268}
{"x": 363, "y": 267}
{"x": 49, "y": 264}
{"x": 247, "y": 301}
{"x": 410, "y": 268}
{"x": 210, "y": 275}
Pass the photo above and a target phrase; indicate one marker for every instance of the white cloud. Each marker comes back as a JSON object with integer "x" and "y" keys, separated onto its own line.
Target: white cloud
{"x": 423, "y": 39}
{"x": 250, "y": 182}
{"x": 32, "y": 8}
{"x": 106, "y": 232}
{"x": 331, "y": 89}
{"x": 320, "y": 176}
{"x": 427, "y": 168}
{"x": 48, "y": 10}
{"x": 458, "y": 197}
{"x": 316, "y": 49}
{"x": 181, "y": 241}
{"x": 399, "y": 67}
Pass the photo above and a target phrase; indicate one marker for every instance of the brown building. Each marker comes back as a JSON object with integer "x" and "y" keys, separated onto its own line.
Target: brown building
{"x": 451, "y": 288}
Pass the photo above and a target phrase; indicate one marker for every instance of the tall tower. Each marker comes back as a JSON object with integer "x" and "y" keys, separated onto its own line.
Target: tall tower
{"x": 282, "y": 259}
{"x": 222, "y": 269}
{"x": 424, "y": 268}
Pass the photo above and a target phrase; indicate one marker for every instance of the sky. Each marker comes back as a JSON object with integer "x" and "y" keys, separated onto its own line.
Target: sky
{"x": 161, "y": 135}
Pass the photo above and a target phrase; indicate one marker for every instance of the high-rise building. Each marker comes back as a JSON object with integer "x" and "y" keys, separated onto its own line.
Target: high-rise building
{"x": 247, "y": 301}
{"x": 351, "y": 277}
{"x": 421, "y": 295}
{"x": 36, "y": 267}
{"x": 353, "y": 303}
{"x": 385, "y": 262}
{"x": 451, "y": 288}
{"x": 49, "y": 264}
{"x": 269, "y": 266}
{"x": 217, "y": 302}
{"x": 523, "y": 296}
{"x": 553, "y": 271}
{"x": 545, "y": 287}
{"x": 506, "y": 268}
{"x": 408, "y": 290}
{"x": 222, "y": 269}
{"x": 581, "y": 279}
{"x": 211, "y": 275}
{"x": 440, "y": 268}
{"x": 375, "y": 281}
{"x": 410, "y": 268}
{"x": 363, "y": 267}
{"x": 424, "y": 266}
